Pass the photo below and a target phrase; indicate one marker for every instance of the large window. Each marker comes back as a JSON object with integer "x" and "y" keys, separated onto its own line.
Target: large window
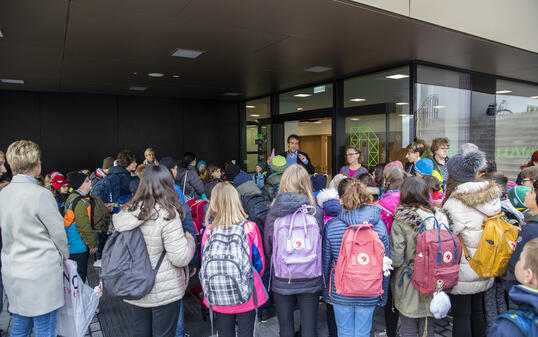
{"x": 258, "y": 132}
{"x": 516, "y": 122}
{"x": 312, "y": 98}
{"x": 443, "y": 106}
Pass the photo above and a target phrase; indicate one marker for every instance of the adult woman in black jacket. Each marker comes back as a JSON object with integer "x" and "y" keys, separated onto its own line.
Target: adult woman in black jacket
{"x": 188, "y": 178}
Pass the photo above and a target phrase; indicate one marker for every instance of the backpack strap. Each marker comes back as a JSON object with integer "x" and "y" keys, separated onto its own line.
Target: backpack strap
{"x": 161, "y": 258}
{"x": 383, "y": 208}
{"x": 465, "y": 251}
{"x": 522, "y": 319}
{"x": 407, "y": 272}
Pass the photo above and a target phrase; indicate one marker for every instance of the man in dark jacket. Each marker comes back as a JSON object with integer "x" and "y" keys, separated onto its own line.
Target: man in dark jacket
{"x": 126, "y": 164}
{"x": 294, "y": 156}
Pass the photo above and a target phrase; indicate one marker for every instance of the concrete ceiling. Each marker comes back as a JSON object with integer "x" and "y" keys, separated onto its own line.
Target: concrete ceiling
{"x": 252, "y": 47}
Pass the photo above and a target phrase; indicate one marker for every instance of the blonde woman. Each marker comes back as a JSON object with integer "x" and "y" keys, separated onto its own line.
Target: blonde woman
{"x": 295, "y": 191}
{"x": 228, "y": 221}
{"x": 149, "y": 156}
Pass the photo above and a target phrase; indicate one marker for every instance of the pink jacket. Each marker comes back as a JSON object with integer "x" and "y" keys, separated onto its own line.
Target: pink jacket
{"x": 258, "y": 259}
{"x": 388, "y": 203}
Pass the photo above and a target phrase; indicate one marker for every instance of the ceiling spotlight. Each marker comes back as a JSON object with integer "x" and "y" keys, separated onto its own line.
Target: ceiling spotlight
{"x": 402, "y": 103}
{"x": 175, "y": 76}
{"x": 231, "y": 94}
{"x": 439, "y": 106}
{"x": 503, "y": 91}
{"x": 138, "y": 88}
{"x": 318, "y": 69}
{"x": 535, "y": 97}
{"x": 254, "y": 115}
{"x": 317, "y": 122}
{"x": 302, "y": 95}
{"x": 299, "y": 108}
{"x": 11, "y": 81}
{"x": 397, "y": 76}
{"x": 354, "y": 119}
{"x": 156, "y": 75}
{"x": 358, "y": 99}
{"x": 188, "y": 53}
{"x": 251, "y": 107}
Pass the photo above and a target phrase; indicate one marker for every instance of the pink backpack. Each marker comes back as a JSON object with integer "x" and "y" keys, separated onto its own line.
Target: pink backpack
{"x": 437, "y": 259}
{"x": 359, "y": 270}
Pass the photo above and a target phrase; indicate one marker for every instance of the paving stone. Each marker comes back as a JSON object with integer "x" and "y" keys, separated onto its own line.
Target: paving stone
{"x": 95, "y": 327}
{"x": 99, "y": 334}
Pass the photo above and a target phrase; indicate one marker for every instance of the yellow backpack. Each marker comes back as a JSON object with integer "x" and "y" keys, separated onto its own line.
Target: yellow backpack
{"x": 496, "y": 245}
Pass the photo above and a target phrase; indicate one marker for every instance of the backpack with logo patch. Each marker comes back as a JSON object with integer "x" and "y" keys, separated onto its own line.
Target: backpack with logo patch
{"x": 359, "y": 269}
{"x": 496, "y": 245}
{"x": 108, "y": 189}
{"x": 437, "y": 259}
{"x": 97, "y": 213}
{"x": 297, "y": 245}
{"x": 526, "y": 321}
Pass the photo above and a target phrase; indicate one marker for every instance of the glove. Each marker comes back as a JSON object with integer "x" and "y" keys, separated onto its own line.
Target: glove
{"x": 98, "y": 290}
{"x": 387, "y": 266}
{"x": 440, "y": 304}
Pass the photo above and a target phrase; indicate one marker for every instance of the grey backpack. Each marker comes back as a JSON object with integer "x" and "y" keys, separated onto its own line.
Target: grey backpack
{"x": 126, "y": 268}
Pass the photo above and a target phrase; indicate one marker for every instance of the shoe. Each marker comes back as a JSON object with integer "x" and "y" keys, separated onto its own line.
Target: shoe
{"x": 380, "y": 334}
{"x": 265, "y": 315}
{"x": 97, "y": 263}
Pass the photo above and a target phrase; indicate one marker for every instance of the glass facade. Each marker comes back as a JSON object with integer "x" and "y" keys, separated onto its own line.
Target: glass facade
{"x": 368, "y": 133}
{"x": 258, "y": 132}
{"x": 311, "y": 98}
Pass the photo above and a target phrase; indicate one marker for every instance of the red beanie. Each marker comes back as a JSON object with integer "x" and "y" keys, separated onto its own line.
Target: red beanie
{"x": 58, "y": 180}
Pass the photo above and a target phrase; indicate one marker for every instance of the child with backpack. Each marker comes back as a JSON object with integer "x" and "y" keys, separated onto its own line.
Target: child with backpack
{"x": 259, "y": 176}
{"x": 156, "y": 211}
{"x": 296, "y": 276}
{"x": 272, "y": 182}
{"x": 355, "y": 289}
{"x": 232, "y": 262}
{"x": 524, "y": 321}
{"x": 412, "y": 217}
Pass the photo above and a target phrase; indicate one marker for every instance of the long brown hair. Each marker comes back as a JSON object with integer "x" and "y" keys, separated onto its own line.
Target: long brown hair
{"x": 210, "y": 170}
{"x": 353, "y": 194}
{"x": 415, "y": 193}
{"x": 156, "y": 188}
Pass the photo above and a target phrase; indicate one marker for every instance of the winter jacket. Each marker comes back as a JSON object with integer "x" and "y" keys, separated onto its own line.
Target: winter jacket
{"x": 271, "y": 183}
{"x": 345, "y": 171}
{"x": 467, "y": 208}
{"x": 513, "y": 215}
{"x": 332, "y": 240}
{"x": 125, "y": 178}
{"x": 288, "y": 203}
{"x": 133, "y": 186}
{"x": 526, "y": 299}
{"x": 403, "y": 244}
{"x": 410, "y": 168}
{"x": 80, "y": 234}
{"x": 308, "y": 166}
{"x": 388, "y": 203}
{"x": 527, "y": 233}
{"x": 259, "y": 180}
{"x": 33, "y": 244}
{"x": 96, "y": 176}
{"x": 258, "y": 262}
{"x": 160, "y": 234}
{"x": 244, "y": 185}
{"x": 190, "y": 182}
{"x": 328, "y": 200}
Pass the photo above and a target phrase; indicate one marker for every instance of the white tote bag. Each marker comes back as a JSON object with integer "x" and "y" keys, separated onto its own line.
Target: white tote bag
{"x": 80, "y": 304}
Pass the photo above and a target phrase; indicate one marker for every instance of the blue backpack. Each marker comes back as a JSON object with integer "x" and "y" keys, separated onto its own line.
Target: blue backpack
{"x": 526, "y": 321}
{"x": 108, "y": 189}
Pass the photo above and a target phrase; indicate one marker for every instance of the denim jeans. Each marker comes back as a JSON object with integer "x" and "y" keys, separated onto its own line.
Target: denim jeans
{"x": 353, "y": 321}
{"x": 180, "y": 330}
{"x": 44, "y": 326}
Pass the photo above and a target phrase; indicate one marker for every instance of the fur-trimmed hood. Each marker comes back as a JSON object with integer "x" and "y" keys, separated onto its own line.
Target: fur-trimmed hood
{"x": 327, "y": 194}
{"x": 476, "y": 193}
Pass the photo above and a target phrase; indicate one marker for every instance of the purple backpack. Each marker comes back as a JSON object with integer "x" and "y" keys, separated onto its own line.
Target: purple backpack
{"x": 297, "y": 245}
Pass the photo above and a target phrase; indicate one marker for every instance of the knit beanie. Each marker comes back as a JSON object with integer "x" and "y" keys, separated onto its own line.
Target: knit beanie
{"x": 260, "y": 164}
{"x": 464, "y": 167}
{"x": 395, "y": 163}
{"x": 58, "y": 180}
{"x": 76, "y": 179}
{"x": 424, "y": 166}
{"x": 517, "y": 194}
{"x": 279, "y": 164}
{"x": 168, "y": 162}
{"x": 108, "y": 162}
{"x": 201, "y": 162}
{"x": 231, "y": 171}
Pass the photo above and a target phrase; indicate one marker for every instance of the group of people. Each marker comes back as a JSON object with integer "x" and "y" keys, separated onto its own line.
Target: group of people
{"x": 277, "y": 240}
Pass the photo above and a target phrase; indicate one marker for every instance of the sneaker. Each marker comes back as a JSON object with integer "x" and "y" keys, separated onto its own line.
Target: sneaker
{"x": 380, "y": 334}
{"x": 265, "y": 315}
{"x": 97, "y": 263}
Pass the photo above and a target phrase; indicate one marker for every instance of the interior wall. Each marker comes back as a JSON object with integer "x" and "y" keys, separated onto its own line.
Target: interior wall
{"x": 77, "y": 131}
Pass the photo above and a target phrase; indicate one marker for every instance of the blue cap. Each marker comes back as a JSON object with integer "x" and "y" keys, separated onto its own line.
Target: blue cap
{"x": 424, "y": 166}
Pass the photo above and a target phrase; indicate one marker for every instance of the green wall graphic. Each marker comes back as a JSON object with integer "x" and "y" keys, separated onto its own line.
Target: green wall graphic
{"x": 364, "y": 135}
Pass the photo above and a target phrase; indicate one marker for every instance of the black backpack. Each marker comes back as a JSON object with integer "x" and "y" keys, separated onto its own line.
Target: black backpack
{"x": 256, "y": 206}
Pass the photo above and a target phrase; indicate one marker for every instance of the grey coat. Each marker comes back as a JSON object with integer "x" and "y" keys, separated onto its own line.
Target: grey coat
{"x": 34, "y": 241}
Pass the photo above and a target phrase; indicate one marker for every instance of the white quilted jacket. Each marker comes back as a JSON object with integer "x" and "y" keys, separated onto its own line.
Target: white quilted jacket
{"x": 172, "y": 277}
{"x": 468, "y": 207}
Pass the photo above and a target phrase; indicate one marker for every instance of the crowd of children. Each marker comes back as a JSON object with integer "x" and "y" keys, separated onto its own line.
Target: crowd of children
{"x": 436, "y": 235}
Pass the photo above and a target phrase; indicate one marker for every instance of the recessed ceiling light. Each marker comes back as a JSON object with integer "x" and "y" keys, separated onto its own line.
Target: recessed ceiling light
{"x": 2, "y": 35}
{"x": 188, "y": 53}
{"x": 317, "y": 122}
{"x": 11, "y": 81}
{"x": 251, "y": 107}
{"x": 156, "y": 75}
{"x": 302, "y": 95}
{"x": 358, "y": 99}
{"x": 254, "y": 115}
{"x": 318, "y": 69}
{"x": 397, "y": 76}
{"x": 406, "y": 115}
{"x": 231, "y": 94}
{"x": 138, "y": 88}
{"x": 299, "y": 108}
{"x": 402, "y": 103}
{"x": 319, "y": 89}
{"x": 354, "y": 119}
{"x": 439, "y": 106}
{"x": 503, "y": 91}
{"x": 175, "y": 76}
{"x": 536, "y": 97}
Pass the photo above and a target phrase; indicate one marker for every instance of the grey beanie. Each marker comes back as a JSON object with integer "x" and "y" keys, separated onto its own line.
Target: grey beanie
{"x": 464, "y": 167}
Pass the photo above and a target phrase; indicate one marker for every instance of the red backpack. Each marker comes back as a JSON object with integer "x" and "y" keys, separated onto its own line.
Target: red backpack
{"x": 437, "y": 259}
{"x": 198, "y": 214}
{"x": 359, "y": 270}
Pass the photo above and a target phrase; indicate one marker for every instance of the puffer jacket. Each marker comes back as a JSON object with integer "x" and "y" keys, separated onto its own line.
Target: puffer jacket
{"x": 271, "y": 182}
{"x": 125, "y": 178}
{"x": 258, "y": 262}
{"x": 244, "y": 185}
{"x": 328, "y": 200}
{"x": 332, "y": 240}
{"x": 388, "y": 203}
{"x": 192, "y": 186}
{"x": 467, "y": 208}
{"x": 285, "y": 204}
{"x": 173, "y": 275}
{"x": 527, "y": 233}
{"x": 403, "y": 243}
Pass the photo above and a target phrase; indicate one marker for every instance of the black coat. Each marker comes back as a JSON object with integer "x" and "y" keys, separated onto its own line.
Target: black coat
{"x": 192, "y": 187}
{"x": 309, "y": 167}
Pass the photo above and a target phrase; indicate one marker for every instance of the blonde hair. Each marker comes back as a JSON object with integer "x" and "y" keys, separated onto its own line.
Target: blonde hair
{"x": 531, "y": 257}
{"x": 225, "y": 206}
{"x": 23, "y": 156}
{"x": 296, "y": 180}
{"x": 148, "y": 151}
{"x": 2, "y": 154}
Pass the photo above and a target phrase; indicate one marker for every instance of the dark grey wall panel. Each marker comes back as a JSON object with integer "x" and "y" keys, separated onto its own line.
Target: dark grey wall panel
{"x": 19, "y": 117}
